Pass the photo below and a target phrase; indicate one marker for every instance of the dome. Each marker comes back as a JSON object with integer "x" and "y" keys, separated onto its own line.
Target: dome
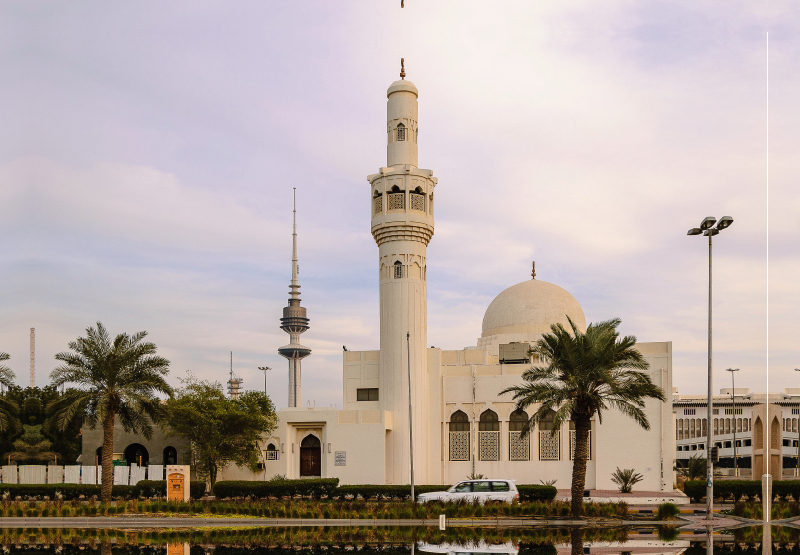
{"x": 530, "y": 308}
{"x": 404, "y": 86}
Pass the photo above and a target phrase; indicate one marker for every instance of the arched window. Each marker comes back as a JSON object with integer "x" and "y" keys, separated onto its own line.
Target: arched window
{"x": 272, "y": 452}
{"x": 489, "y": 422}
{"x": 135, "y": 453}
{"x": 401, "y": 132}
{"x": 459, "y": 422}
{"x": 517, "y": 420}
{"x": 546, "y": 422}
{"x": 170, "y": 455}
{"x": 398, "y": 270}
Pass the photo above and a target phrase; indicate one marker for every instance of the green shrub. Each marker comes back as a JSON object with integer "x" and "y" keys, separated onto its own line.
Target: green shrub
{"x": 737, "y": 489}
{"x": 315, "y": 488}
{"x": 667, "y": 511}
{"x": 536, "y": 492}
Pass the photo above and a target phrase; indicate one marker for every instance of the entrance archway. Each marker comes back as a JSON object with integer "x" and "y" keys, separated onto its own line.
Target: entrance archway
{"x": 136, "y": 453}
{"x": 310, "y": 456}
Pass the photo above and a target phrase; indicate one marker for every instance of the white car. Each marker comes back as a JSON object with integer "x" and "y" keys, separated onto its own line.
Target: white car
{"x": 475, "y": 490}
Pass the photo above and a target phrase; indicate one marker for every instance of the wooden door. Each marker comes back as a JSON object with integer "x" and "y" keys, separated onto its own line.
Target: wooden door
{"x": 310, "y": 457}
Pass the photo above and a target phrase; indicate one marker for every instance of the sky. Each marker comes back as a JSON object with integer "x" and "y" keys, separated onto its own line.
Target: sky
{"x": 148, "y": 153}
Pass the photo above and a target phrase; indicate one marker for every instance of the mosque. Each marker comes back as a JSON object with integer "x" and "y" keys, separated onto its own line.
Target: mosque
{"x": 443, "y": 406}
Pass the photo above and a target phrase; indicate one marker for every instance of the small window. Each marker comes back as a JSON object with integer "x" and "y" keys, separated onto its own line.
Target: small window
{"x": 715, "y": 411}
{"x": 489, "y": 422}
{"x": 481, "y": 486}
{"x": 401, "y": 132}
{"x": 689, "y": 412}
{"x": 367, "y": 394}
{"x": 463, "y": 487}
{"x": 517, "y": 420}
{"x": 728, "y": 444}
{"x": 786, "y": 443}
{"x": 459, "y": 422}
{"x": 500, "y": 486}
{"x": 272, "y": 452}
{"x": 398, "y": 270}
{"x": 748, "y": 443}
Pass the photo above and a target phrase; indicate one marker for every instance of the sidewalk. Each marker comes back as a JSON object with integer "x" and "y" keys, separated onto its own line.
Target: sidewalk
{"x": 636, "y": 498}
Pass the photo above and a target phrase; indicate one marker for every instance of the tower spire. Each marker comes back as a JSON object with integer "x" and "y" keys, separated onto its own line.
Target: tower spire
{"x": 295, "y": 320}
{"x": 294, "y": 293}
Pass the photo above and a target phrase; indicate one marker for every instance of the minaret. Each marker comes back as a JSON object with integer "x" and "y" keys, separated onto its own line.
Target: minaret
{"x": 401, "y": 206}
{"x": 294, "y": 321}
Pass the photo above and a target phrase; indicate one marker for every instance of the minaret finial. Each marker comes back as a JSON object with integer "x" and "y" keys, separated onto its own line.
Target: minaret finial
{"x": 533, "y": 272}
{"x": 401, "y": 3}
{"x": 402, "y": 69}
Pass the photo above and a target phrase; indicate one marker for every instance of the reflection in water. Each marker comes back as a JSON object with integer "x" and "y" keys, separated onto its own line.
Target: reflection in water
{"x": 390, "y": 540}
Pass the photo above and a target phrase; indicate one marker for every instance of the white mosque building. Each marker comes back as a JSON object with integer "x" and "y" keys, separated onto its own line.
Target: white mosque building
{"x": 462, "y": 425}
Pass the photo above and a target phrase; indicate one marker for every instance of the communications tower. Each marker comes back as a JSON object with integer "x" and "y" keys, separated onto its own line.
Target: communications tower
{"x": 294, "y": 321}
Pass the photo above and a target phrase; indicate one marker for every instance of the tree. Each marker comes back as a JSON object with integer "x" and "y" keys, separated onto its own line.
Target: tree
{"x": 118, "y": 378}
{"x": 32, "y": 446}
{"x": 695, "y": 469}
{"x": 8, "y": 408}
{"x": 582, "y": 375}
{"x": 220, "y": 430}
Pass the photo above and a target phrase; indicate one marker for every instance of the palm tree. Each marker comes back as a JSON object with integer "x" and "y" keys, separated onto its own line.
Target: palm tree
{"x": 582, "y": 375}
{"x": 118, "y": 378}
{"x": 8, "y": 408}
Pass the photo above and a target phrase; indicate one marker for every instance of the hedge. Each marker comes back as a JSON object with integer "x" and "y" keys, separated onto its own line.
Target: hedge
{"x": 315, "y": 488}
{"x": 537, "y": 493}
{"x": 328, "y": 488}
{"x": 737, "y": 489}
{"x": 376, "y": 491}
{"x": 74, "y": 491}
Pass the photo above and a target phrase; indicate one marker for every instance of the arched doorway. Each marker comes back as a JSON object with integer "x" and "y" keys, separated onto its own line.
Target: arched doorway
{"x": 310, "y": 456}
{"x": 136, "y": 453}
{"x": 98, "y": 456}
{"x": 170, "y": 455}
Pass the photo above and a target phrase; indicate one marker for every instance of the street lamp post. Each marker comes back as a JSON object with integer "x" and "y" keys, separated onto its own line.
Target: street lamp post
{"x": 708, "y": 229}
{"x": 264, "y": 369}
{"x": 798, "y": 431}
{"x": 733, "y": 399}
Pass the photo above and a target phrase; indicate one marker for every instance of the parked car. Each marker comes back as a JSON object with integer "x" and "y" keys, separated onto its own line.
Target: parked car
{"x": 475, "y": 490}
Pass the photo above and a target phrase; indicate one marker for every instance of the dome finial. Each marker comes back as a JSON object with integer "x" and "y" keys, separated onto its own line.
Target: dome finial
{"x": 402, "y": 69}
{"x": 533, "y": 272}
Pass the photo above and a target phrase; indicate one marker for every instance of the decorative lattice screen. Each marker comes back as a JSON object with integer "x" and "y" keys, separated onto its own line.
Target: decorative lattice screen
{"x": 549, "y": 445}
{"x": 459, "y": 446}
{"x": 519, "y": 448}
{"x": 489, "y": 446}
{"x": 417, "y": 202}
{"x": 378, "y": 204}
{"x": 397, "y": 201}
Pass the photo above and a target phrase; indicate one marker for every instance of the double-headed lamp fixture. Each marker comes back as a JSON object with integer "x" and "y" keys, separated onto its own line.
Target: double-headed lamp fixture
{"x": 707, "y": 226}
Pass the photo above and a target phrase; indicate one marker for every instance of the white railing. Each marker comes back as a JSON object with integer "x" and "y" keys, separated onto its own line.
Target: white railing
{"x": 74, "y": 474}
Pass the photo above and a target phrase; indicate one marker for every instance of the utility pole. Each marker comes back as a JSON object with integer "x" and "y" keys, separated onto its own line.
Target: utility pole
{"x": 264, "y": 369}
